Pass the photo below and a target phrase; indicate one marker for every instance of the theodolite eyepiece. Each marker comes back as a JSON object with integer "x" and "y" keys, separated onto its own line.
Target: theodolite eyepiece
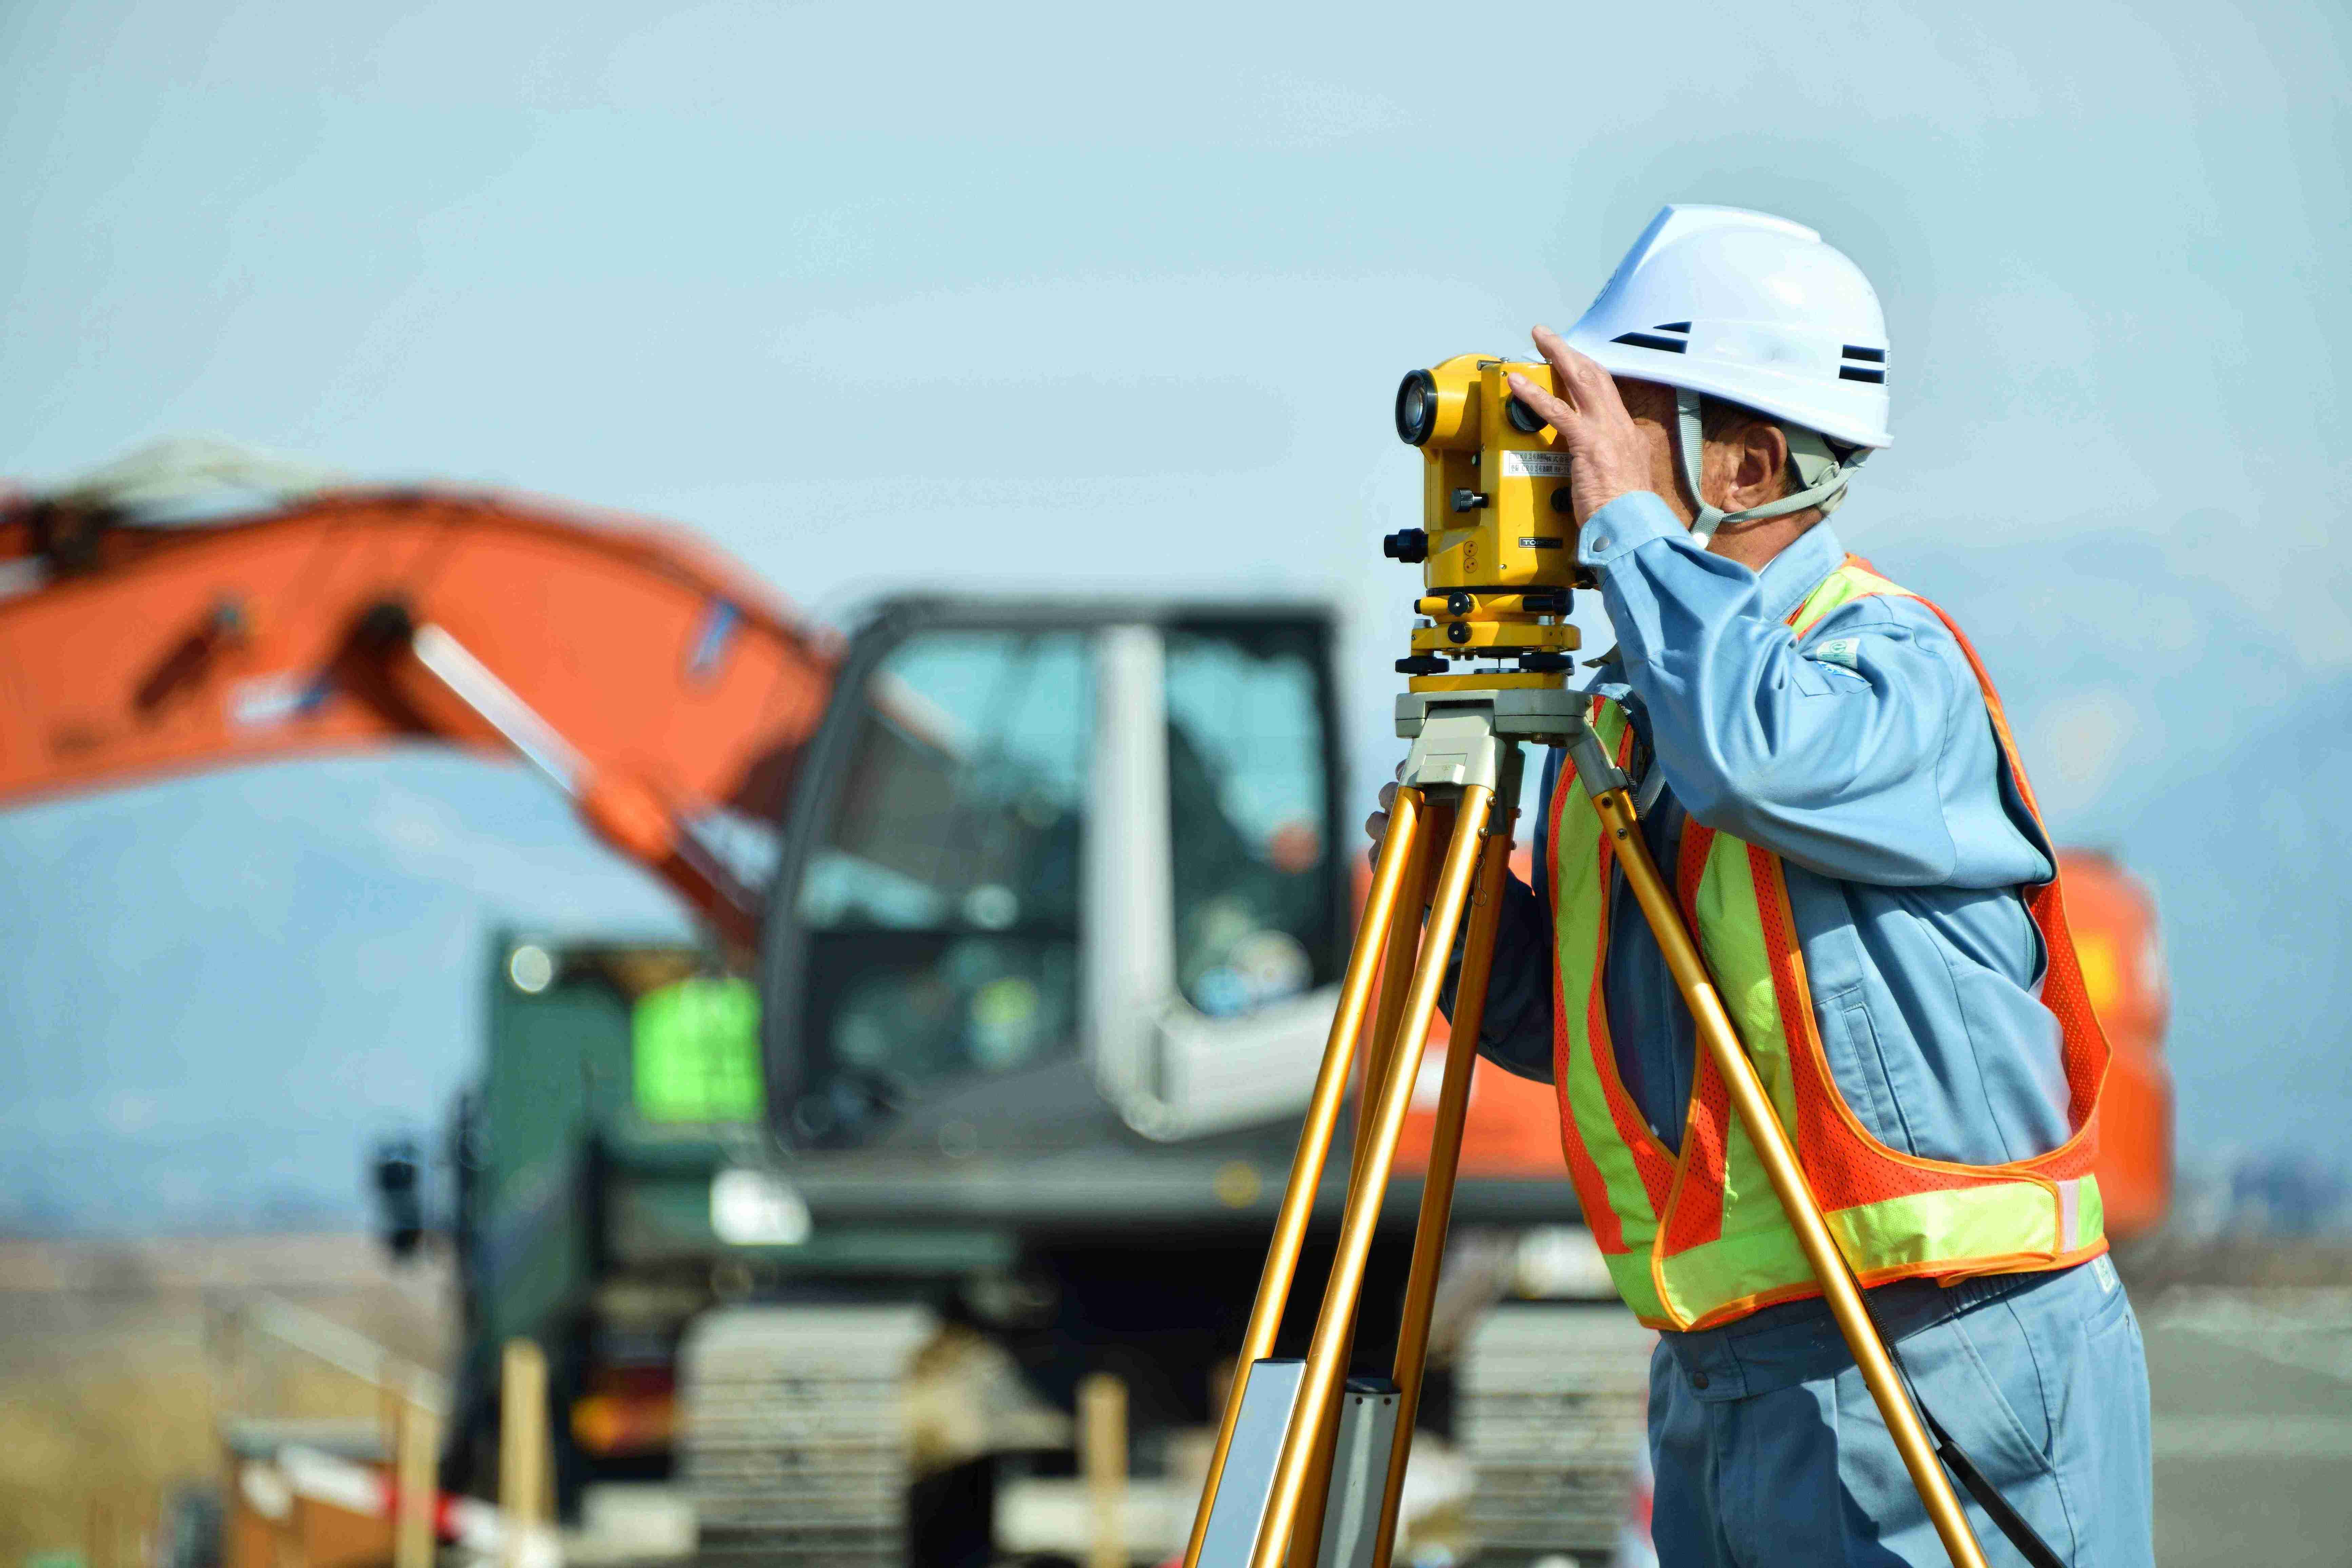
{"x": 1410, "y": 545}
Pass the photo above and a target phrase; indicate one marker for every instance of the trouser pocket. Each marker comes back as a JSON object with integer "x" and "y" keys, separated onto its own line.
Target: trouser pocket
{"x": 1978, "y": 1374}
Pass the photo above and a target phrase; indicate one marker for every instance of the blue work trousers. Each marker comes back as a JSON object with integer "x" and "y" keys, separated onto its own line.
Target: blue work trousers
{"x": 1767, "y": 1448}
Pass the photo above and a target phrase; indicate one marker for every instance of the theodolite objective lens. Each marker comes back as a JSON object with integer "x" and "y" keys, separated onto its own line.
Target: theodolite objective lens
{"x": 1416, "y": 408}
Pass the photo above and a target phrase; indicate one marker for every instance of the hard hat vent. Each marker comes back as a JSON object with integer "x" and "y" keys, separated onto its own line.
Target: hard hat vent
{"x": 1651, "y": 339}
{"x": 1872, "y": 368}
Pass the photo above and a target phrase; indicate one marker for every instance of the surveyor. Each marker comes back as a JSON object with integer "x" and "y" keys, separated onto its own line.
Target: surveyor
{"x": 1826, "y": 779}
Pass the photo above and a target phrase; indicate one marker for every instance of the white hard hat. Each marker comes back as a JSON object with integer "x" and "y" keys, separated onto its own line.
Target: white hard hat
{"x": 1741, "y": 305}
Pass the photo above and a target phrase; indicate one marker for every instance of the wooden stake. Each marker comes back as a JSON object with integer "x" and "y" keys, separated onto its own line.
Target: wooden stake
{"x": 523, "y": 1444}
{"x": 1102, "y": 1450}
{"x": 413, "y": 1477}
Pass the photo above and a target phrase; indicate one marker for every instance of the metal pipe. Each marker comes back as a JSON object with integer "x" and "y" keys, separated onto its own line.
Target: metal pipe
{"x": 1779, "y": 1157}
{"x": 1319, "y": 1388}
{"x": 1397, "y": 846}
{"x": 1446, "y": 1143}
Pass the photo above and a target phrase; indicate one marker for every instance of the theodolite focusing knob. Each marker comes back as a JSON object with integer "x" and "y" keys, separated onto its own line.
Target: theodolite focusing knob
{"x": 1406, "y": 544}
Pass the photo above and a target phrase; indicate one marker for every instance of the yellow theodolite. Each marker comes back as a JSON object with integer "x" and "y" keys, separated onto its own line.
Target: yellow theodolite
{"x": 1498, "y": 548}
{"x": 1309, "y": 1462}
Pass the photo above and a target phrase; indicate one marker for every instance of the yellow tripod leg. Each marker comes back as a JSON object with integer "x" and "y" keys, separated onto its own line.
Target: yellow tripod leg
{"x": 1403, "y": 945}
{"x": 1754, "y": 1108}
{"x": 1483, "y": 921}
{"x": 1399, "y": 850}
{"x": 1319, "y": 1388}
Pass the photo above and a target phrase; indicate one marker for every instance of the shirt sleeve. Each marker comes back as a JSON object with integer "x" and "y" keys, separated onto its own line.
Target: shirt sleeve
{"x": 1827, "y": 755}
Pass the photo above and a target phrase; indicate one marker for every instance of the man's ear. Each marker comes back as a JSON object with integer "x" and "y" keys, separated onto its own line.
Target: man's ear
{"x": 1761, "y": 474}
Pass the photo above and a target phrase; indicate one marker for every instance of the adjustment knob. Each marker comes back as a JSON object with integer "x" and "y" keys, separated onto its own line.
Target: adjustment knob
{"x": 1469, "y": 500}
{"x": 1458, "y": 602}
{"x": 1406, "y": 544}
{"x": 1458, "y": 632}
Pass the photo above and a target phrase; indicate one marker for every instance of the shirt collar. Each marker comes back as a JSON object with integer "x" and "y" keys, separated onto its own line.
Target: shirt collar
{"x": 1790, "y": 578}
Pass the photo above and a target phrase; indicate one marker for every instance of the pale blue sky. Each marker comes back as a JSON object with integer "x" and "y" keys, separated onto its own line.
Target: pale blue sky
{"x": 885, "y": 297}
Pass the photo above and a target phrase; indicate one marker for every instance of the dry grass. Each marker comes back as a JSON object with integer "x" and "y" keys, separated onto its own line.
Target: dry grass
{"x": 115, "y": 1379}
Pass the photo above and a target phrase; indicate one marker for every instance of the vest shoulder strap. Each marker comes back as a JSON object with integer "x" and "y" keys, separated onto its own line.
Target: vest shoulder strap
{"x": 1854, "y": 579}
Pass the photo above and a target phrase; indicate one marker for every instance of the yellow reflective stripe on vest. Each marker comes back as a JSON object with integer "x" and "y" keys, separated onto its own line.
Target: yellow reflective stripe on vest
{"x": 1840, "y": 588}
{"x": 1582, "y": 905}
{"x": 1731, "y": 939}
{"x": 2002, "y": 1225}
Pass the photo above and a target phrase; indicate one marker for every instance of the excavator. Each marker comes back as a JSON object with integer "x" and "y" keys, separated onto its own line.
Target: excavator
{"x": 1024, "y": 923}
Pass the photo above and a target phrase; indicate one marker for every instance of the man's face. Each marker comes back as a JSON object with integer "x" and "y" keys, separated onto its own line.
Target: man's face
{"x": 1652, "y": 408}
{"x": 1740, "y": 466}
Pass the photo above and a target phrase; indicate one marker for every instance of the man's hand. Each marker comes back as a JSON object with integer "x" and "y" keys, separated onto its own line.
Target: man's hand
{"x": 1608, "y": 454}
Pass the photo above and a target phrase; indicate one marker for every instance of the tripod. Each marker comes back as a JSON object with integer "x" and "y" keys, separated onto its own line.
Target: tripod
{"x": 1309, "y": 1464}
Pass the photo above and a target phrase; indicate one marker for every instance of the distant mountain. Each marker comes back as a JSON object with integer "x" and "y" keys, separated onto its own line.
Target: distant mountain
{"x": 2248, "y": 851}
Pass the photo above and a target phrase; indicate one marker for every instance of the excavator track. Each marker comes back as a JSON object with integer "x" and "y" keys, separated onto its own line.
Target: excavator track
{"x": 1550, "y": 1412}
{"x": 792, "y": 1442}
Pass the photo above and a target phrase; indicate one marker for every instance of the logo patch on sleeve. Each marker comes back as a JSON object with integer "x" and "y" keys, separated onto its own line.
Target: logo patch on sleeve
{"x": 1845, "y": 651}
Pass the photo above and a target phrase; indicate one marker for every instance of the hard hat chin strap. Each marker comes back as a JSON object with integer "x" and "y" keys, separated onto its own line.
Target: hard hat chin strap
{"x": 1823, "y": 475}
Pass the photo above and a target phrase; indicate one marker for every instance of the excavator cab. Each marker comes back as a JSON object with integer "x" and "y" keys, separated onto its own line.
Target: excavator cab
{"x": 1055, "y": 873}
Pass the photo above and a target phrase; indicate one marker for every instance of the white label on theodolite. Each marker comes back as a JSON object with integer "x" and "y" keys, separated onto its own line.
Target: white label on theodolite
{"x": 1534, "y": 465}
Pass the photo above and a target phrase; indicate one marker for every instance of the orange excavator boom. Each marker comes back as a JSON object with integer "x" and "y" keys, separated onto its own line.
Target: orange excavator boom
{"x": 653, "y": 681}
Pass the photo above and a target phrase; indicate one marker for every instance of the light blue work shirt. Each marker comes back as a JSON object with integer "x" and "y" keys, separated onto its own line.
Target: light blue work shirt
{"x": 1864, "y": 758}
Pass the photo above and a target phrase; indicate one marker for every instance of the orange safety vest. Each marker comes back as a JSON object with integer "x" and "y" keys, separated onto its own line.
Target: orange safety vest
{"x": 1698, "y": 1238}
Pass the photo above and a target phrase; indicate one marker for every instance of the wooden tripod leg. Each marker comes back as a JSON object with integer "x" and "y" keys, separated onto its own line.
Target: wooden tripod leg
{"x": 1484, "y": 921}
{"x": 1320, "y": 1387}
{"x": 1754, "y": 1108}
{"x": 1397, "y": 851}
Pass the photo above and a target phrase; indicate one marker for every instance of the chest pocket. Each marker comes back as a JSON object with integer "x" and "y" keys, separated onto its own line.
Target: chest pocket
{"x": 1831, "y": 668}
